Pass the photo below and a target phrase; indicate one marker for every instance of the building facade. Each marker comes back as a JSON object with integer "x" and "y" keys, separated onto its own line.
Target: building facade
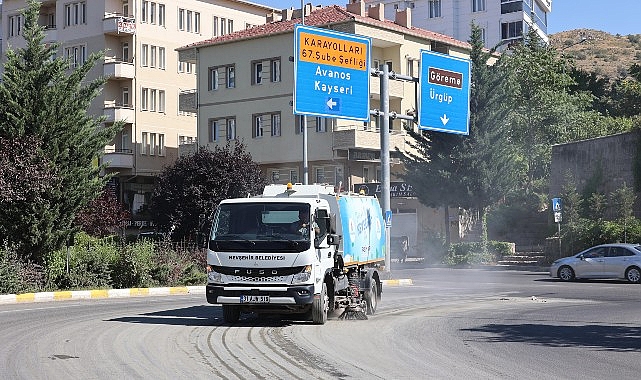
{"x": 245, "y": 92}
{"x": 501, "y": 21}
{"x": 139, "y": 39}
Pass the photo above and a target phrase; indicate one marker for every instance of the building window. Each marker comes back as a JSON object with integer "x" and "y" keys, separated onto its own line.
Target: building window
{"x": 125, "y": 96}
{"x": 76, "y": 13}
{"x": 161, "y": 144}
{"x": 258, "y": 129}
{"x": 152, "y": 144}
{"x": 152, "y": 100}
{"x": 145, "y": 99}
{"x": 181, "y": 19}
{"x": 321, "y": 125}
{"x": 275, "y": 176}
{"x": 434, "y": 8}
{"x": 76, "y": 55}
{"x": 189, "y": 22}
{"x": 153, "y": 56}
{"x": 161, "y": 14}
{"x": 293, "y": 176}
{"x": 230, "y": 26}
{"x": 231, "y": 129}
{"x": 161, "y": 58}
{"x": 257, "y": 72}
{"x": 511, "y": 30}
{"x": 231, "y": 76}
{"x": 410, "y": 67}
{"x": 145, "y": 55}
{"x": 478, "y": 5}
{"x": 144, "y": 147}
{"x": 161, "y": 101}
{"x": 15, "y": 26}
{"x": 214, "y": 27}
{"x": 275, "y": 70}
{"x": 152, "y": 13}
{"x": 213, "y": 79}
{"x": 389, "y": 65}
{"x": 275, "y": 127}
{"x": 214, "y": 126}
{"x": 365, "y": 174}
{"x": 511, "y": 6}
{"x": 223, "y": 24}
{"x": 376, "y": 64}
{"x": 196, "y": 22}
{"x": 144, "y": 9}
{"x": 320, "y": 175}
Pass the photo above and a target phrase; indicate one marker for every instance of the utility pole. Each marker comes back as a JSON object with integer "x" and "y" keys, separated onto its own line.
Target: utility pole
{"x": 384, "y": 116}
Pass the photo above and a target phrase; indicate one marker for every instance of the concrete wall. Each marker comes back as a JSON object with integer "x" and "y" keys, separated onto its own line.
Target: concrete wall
{"x": 609, "y": 160}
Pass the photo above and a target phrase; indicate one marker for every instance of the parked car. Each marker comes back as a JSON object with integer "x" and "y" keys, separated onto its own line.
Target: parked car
{"x": 601, "y": 261}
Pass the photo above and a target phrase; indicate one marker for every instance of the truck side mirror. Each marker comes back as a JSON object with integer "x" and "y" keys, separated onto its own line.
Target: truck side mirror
{"x": 333, "y": 239}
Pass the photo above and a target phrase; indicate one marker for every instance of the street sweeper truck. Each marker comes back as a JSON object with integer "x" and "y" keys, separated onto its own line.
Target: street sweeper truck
{"x": 302, "y": 249}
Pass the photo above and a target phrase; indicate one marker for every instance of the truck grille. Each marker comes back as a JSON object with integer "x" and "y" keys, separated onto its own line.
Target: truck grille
{"x": 272, "y": 279}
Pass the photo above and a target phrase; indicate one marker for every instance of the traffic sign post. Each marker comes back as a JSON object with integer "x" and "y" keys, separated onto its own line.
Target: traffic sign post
{"x": 444, "y": 95}
{"x": 557, "y": 209}
{"x": 331, "y": 73}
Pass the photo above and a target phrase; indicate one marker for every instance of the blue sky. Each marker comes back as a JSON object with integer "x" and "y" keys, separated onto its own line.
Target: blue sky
{"x": 614, "y": 16}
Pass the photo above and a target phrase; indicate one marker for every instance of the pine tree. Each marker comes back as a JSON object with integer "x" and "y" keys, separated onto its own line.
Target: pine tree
{"x": 42, "y": 98}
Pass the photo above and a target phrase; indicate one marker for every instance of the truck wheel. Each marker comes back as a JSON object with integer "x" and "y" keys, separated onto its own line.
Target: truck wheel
{"x": 319, "y": 307}
{"x": 371, "y": 299}
{"x": 231, "y": 313}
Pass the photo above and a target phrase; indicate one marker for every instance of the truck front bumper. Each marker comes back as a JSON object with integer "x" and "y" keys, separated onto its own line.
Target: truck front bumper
{"x": 278, "y": 295}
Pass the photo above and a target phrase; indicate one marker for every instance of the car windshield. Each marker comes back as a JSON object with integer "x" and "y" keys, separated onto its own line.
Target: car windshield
{"x": 260, "y": 227}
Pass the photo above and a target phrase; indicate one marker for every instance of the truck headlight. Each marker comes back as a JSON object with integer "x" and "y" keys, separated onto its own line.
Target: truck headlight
{"x": 214, "y": 276}
{"x": 302, "y": 276}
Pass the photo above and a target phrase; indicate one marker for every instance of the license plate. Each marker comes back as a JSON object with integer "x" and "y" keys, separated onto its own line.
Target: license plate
{"x": 254, "y": 299}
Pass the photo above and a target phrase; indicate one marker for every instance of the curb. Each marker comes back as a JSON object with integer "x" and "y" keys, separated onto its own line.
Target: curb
{"x": 98, "y": 294}
{"x": 6, "y": 299}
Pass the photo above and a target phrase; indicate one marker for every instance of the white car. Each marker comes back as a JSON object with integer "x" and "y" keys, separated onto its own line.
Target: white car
{"x": 602, "y": 261}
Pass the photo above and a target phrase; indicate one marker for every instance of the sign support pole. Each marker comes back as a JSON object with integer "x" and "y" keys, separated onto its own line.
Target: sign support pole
{"x": 303, "y": 118}
{"x": 385, "y": 161}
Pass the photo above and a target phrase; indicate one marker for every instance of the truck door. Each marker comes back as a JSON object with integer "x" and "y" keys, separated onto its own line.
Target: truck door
{"x": 321, "y": 229}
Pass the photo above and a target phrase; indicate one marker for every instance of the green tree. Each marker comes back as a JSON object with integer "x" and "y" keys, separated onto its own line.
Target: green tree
{"x": 544, "y": 112}
{"x": 103, "y": 216}
{"x": 196, "y": 183}
{"x": 472, "y": 171}
{"x": 41, "y": 98}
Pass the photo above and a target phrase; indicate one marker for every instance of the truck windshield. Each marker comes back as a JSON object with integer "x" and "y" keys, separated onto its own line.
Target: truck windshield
{"x": 261, "y": 227}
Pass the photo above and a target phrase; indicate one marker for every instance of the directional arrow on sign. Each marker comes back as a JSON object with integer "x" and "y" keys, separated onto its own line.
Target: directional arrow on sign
{"x": 331, "y": 103}
{"x": 444, "y": 119}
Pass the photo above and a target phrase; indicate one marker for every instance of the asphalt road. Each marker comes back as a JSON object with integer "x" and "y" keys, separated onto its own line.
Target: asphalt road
{"x": 451, "y": 323}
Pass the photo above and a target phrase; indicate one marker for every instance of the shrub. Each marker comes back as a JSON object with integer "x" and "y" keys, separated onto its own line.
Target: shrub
{"x": 472, "y": 253}
{"x": 16, "y": 276}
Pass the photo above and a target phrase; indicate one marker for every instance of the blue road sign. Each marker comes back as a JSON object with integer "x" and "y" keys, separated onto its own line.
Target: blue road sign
{"x": 444, "y": 96}
{"x": 556, "y": 204}
{"x": 331, "y": 73}
{"x": 388, "y": 218}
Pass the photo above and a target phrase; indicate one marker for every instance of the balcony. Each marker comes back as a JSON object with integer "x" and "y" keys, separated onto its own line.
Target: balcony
{"x": 117, "y": 25}
{"x": 115, "y": 111}
{"x": 118, "y": 158}
{"x": 396, "y": 88}
{"x": 188, "y": 101}
{"x": 354, "y": 136}
{"x": 117, "y": 69}
{"x": 51, "y": 33}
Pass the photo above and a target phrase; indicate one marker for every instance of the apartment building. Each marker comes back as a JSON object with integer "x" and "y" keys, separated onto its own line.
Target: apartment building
{"x": 501, "y": 21}
{"x": 245, "y": 92}
{"x": 139, "y": 38}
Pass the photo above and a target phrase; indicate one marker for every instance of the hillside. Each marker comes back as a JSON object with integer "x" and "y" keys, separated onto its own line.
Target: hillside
{"x": 592, "y": 50}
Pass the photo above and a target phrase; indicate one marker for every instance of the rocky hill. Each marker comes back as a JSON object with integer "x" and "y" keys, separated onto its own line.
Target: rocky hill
{"x": 601, "y": 52}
